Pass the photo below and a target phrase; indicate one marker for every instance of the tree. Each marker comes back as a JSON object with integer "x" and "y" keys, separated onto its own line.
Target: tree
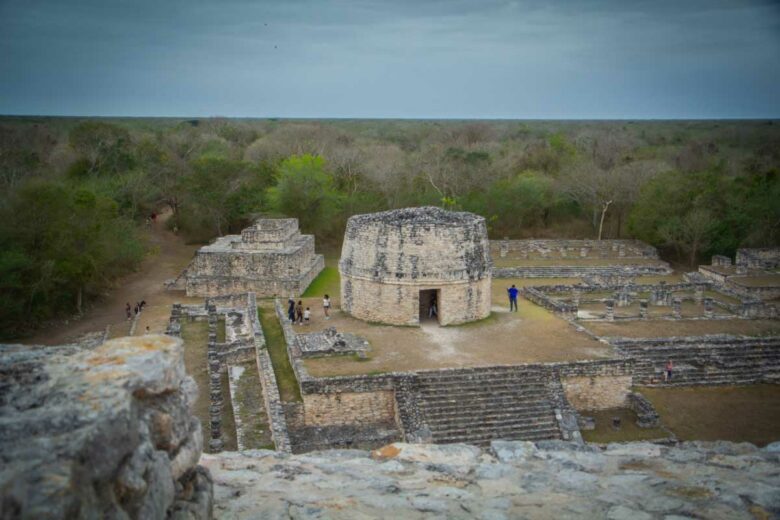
{"x": 105, "y": 148}
{"x": 305, "y": 190}
{"x": 689, "y": 233}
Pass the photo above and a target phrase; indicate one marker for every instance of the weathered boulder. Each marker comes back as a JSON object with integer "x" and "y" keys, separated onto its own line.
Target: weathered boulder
{"x": 100, "y": 433}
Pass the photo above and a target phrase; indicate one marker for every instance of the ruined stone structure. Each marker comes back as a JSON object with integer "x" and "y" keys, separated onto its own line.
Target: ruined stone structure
{"x": 269, "y": 258}
{"x": 395, "y": 263}
{"x": 100, "y": 433}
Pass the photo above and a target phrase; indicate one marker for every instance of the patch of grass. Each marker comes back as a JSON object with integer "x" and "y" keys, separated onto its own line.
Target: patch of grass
{"x": 628, "y": 431}
{"x": 257, "y": 431}
{"x": 327, "y": 282}
{"x": 277, "y": 350}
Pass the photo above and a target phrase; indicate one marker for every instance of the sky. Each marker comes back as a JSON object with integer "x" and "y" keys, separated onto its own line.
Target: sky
{"x": 487, "y": 59}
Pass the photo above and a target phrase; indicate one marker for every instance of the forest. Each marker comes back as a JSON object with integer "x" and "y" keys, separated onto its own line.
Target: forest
{"x": 75, "y": 193}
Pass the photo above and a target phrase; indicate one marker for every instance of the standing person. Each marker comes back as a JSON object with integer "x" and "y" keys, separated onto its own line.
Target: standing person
{"x": 291, "y": 309}
{"x": 512, "y": 298}
{"x": 142, "y": 304}
{"x": 326, "y": 306}
{"x": 136, "y": 309}
{"x": 306, "y": 316}
{"x": 668, "y": 371}
{"x": 299, "y": 312}
{"x": 128, "y": 311}
{"x": 432, "y": 310}
{"x": 147, "y": 330}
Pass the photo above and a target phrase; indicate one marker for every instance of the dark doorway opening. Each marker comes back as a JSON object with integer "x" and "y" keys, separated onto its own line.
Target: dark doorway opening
{"x": 429, "y": 306}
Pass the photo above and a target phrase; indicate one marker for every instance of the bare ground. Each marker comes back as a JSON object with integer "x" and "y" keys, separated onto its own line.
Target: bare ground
{"x": 531, "y": 335}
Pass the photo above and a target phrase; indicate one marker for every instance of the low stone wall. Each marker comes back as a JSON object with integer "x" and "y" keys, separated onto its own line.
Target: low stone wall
{"x": 759, "y": 258}
{"x": 100, "y": 433}
{"x": 565, "y": 248}
{"x": 345, "y": 408}
{"x": 646, "y": 415}
{"x": 597, "y": 392}
{"x": 740, "y": 285}
{"x": 581, "y": 271}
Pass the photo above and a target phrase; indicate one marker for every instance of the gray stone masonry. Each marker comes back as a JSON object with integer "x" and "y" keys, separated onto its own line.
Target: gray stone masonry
{"x": 677, "y": 308}
{"x": 610, "y": 306}
{"x": 759, "y": 258}
{"x": 510, "y": 479}
{"x": 331, "y": 342}
{"x": 721, "y": 261}
{"x": 388, "y": 259}
{"x": 106, "y": 432}
{"x": 269, "y": 258}
{"x": 643, "y": 309}
{"x": 708, "y": 307}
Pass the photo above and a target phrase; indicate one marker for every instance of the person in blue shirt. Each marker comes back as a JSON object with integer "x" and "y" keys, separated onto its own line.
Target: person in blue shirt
{"x": 512, "y": 298}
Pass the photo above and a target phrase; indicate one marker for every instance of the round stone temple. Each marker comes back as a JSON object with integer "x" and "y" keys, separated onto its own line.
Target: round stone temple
{"x": 397, "y": 265}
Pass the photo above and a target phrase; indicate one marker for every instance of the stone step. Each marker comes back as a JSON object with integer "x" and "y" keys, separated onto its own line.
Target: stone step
{"x": 476, "y": 408}
{"x": 469, "y": 422}
{"x": 497, "y": 425}
{"x": 482, "y": 438}
{"x": 473, "y": 381}
{"x": 489, "y": 415}
{"x": 450, "y": 400}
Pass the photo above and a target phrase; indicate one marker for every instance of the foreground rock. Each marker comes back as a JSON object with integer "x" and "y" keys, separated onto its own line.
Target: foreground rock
{"x": 101, "y": 433}
{"x": 549, "y": 479}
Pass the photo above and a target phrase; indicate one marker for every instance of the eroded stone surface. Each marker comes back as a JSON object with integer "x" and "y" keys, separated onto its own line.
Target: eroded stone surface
{"x": 511, "y": 480}
{"x": 100, "y": 433}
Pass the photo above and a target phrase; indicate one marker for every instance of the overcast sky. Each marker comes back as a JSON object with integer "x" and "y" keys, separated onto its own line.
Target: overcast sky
{"x": 404, "y": 58}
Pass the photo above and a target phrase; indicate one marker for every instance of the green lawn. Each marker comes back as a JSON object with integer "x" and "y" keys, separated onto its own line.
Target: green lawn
{"x": 327, "y": 282}
{"x": 277, "y": 349}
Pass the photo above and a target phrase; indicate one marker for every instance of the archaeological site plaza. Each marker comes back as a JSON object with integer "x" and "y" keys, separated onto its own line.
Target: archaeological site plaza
{"x": 401, "y": 266}
{"x": 609, "y": 344}
{"x": 269, "y": 258}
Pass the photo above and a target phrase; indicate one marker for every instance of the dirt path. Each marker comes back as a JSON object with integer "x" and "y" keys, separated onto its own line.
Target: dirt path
{"x": 169, "y": 255}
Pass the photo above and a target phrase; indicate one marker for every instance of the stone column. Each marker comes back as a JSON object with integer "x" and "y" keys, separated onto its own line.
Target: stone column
{"x": 575, "y": 296}
{"x": 698, "y": 294}
{"x": 504, "y": 247}
{"x": 643, "y": 309}
{"x": 584, "y": 252}
{"x": 215, "y": 407}
{"x": 610, "y": 310}
{"x": 708, "y": 307}
{"x": 676, "y": 308}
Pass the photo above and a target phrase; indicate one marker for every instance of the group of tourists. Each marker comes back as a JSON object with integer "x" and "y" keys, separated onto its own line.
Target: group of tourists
{"x": 299, "y": 315}
{"x": 132, "y": 312}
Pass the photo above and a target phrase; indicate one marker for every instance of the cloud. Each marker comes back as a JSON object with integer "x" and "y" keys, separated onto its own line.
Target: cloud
{"x": 403, "y": 58}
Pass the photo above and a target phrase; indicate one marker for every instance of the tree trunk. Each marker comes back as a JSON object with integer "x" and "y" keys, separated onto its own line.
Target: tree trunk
{"x": 604, "y": 208}
{"x": 78, "y": 300}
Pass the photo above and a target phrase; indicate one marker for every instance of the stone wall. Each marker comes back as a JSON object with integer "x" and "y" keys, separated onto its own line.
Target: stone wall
{"x": 759, "y": 258}
{"x": 597, "y": 392}
{"x": 348, "y": 408}
{"x": 399, "y": 304}
{"x": 565, "y": 248}
{"x": 100, "y": 433}
{"x": 564, "y": 271}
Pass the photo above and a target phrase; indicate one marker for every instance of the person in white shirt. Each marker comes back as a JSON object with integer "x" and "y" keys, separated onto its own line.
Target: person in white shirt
{"x": 306, "y": 316}
{"x": 326, "y": 306}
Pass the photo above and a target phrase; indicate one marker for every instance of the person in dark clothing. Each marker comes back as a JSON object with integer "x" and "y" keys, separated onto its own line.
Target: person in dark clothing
{"x": 299, "y": 312}
{"x": 291, "y": 310}
{"x": 128, "y": 311}
{"x": 512, "y": 298}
